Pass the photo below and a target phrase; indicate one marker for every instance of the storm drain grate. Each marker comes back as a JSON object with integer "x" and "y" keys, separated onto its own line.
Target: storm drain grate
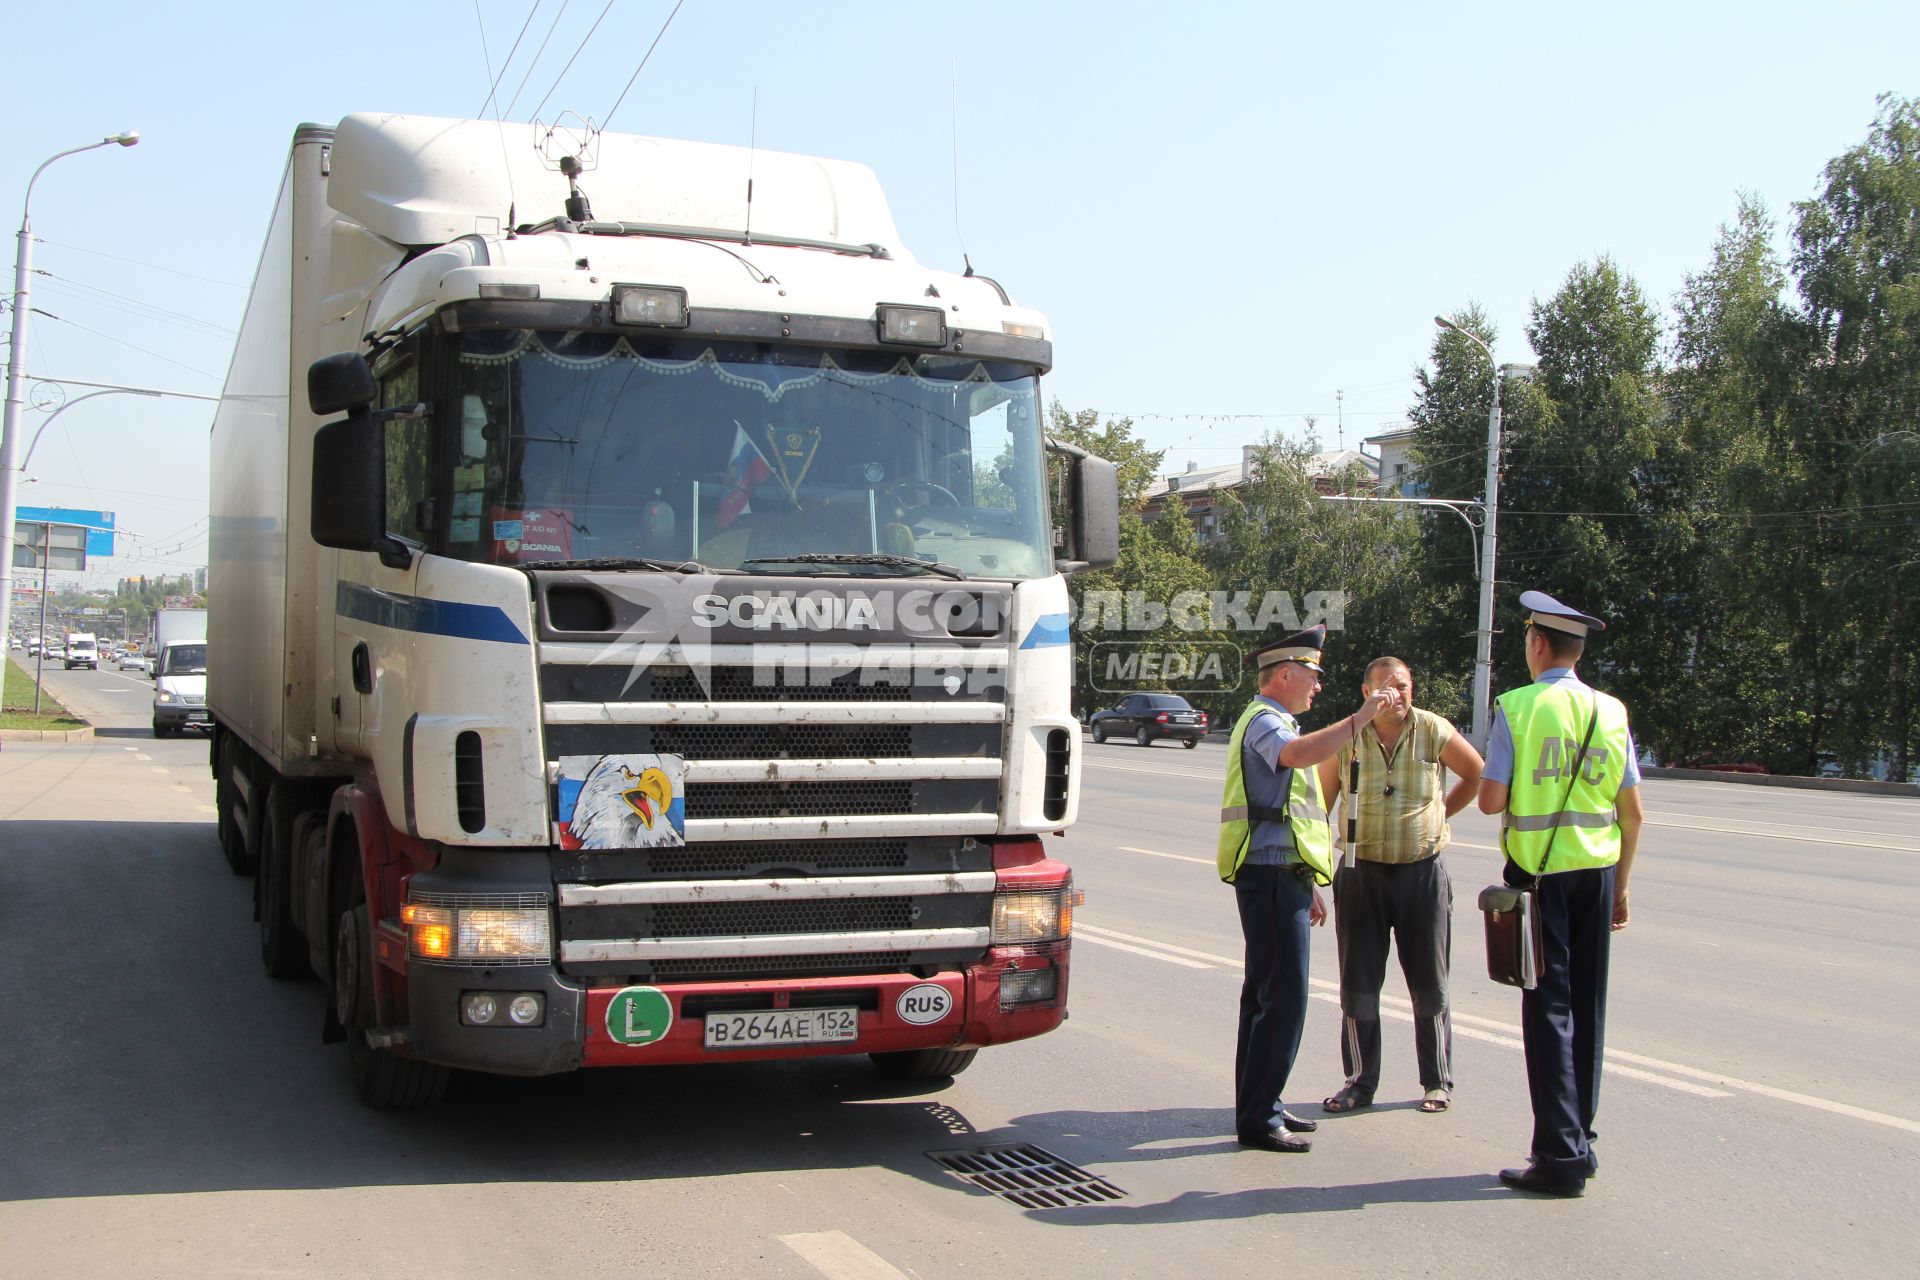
{"x": 1028, "y": 1176}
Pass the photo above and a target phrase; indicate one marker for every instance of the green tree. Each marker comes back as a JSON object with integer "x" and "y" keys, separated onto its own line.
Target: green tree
{"x": 1740, "y": 359}
{"x": 1857, "y": 254}
{"x": 1281, "y": 535}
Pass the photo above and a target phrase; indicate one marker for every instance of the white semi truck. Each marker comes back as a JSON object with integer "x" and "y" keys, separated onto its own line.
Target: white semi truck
{"x": 665, "y": 657}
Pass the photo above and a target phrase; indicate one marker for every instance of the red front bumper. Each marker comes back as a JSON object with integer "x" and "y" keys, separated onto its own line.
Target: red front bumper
{"x": 975, "y": 1019}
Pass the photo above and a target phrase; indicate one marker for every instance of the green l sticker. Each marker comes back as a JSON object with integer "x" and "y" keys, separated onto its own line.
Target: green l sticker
{"x": 639, "y": 1015}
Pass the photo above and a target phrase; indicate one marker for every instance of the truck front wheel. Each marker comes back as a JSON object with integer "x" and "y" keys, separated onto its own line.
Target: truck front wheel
{"x": 923, "y": 1064}
{"x": 382, "y": 1078}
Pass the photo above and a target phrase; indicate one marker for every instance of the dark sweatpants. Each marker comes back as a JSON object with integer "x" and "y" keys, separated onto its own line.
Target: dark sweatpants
{"x": 1274, "y": 904}
{"x": 1410, "y": 904}
{"x": 1564, "y": 1018}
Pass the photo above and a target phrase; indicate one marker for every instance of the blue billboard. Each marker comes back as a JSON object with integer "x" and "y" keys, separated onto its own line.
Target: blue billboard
{"x": 99, "y": 525}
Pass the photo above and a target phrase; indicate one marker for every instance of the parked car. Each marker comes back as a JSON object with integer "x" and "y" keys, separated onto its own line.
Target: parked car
{"x": 1147, "y": 716}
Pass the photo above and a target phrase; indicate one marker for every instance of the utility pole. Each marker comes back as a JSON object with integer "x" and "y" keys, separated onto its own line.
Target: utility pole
{"x": 16, "y": 358}
{"x": 1490, "y": 535}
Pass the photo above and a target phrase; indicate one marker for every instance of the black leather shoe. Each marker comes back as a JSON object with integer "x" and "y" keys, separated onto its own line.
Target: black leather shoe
{"x": 1296, "y": 1125}
{"x": 1533, "y": 1178}
{"x": 1275, "y": 1140}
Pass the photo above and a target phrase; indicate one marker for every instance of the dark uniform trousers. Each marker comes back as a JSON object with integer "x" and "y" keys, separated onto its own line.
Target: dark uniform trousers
{"x": 1274, "y": 904}
{"x": 1411, "y": 904}
{"x": 1563, "y": 1019}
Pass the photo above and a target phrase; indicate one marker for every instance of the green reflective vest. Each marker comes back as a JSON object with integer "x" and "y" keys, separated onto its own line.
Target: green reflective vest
{"x": 1306, "y": 813}
{"x": 1546, "y": 802}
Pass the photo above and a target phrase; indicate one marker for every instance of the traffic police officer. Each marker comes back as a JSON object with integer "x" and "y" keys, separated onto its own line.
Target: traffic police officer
{"x": 1274, "y": 847}
{"x": 1561, "y": 768}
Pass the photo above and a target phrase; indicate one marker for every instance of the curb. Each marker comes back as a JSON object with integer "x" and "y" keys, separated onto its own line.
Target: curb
{"x": 47, "y": 735}
{"x": 1859, "y": 786}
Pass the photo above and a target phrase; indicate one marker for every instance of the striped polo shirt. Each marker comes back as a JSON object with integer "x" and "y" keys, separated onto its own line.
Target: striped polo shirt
{"x": 1410, "y": 824}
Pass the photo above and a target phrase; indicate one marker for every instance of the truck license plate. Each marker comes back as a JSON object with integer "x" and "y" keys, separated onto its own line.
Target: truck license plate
{"x": 771, "y": 1028}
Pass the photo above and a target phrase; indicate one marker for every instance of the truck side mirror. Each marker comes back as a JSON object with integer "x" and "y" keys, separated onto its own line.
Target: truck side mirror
{"x": 340, "y": 384}
{"x": 1093, "y": 509}
{"x": 349, "y": 504}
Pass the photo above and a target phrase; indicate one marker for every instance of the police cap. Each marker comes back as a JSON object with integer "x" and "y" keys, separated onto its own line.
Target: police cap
{"x": 1544, "y": 611}
{"x": 1302, "y": 647}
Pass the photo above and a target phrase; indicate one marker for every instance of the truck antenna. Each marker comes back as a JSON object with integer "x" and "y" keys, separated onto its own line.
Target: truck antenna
{"x": 753, "y": 141}
{"x": 953, "y": 123}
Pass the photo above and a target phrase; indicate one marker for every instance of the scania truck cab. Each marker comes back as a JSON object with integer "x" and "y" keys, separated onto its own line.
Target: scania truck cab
{"x": 640, "y": 637}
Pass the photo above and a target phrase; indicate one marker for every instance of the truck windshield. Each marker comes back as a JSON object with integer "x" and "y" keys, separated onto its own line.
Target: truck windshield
{"x": 589, "y": 446}
{"x": 185, "y": 660}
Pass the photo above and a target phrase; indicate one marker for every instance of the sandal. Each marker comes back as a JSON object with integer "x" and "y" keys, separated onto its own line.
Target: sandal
{"x": 1348, "y": 1099}
{"x": 1435, "y": 1101}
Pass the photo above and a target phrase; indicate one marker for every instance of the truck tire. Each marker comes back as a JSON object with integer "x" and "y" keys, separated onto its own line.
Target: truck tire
{"x": 283, "y": 951}
{"x": 233, "y": 843}
{"x": 160, "y": 730}
{"x": 383, "y": 1079}
{"x": 923, "y": 1064}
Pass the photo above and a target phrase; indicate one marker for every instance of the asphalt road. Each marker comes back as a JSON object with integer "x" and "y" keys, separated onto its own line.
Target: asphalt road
{"x": 167, "y": 1110}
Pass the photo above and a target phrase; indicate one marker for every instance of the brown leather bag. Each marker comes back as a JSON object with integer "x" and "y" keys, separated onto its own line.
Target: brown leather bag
{"x": 1515, "y": 951}
{"x": 1514, "y": 955}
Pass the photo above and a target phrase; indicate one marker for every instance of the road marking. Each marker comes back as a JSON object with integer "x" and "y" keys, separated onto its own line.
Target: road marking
{"x": 1797, "y": 839}
{"x": 1177, "y": 857}
{"x": 1637, "y": 1066}
{"x": 160, "y": 768}
{"x": 840, "y": 1256}
{"x": 1158, "y": 773}
{"x": 1084, "y": 934}
{"x": 1474, "y": 1033}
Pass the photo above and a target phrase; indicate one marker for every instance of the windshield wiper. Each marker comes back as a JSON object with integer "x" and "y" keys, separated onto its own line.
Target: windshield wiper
{"x": 863, "y": 557}
{"x": 625, "y": 562}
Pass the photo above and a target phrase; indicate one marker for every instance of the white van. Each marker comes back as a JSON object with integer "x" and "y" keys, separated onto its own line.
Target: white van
{"x": 82, "y": 651}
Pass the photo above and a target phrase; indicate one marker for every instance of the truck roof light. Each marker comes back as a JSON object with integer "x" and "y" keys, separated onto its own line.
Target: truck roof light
{"x": 913, "y": 326}
{"x": 659, "y": 306}
{"x": 518, "y": 292}
{"x": 1019, "y": 329}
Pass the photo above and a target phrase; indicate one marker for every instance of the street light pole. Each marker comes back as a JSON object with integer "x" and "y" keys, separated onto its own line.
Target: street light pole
{"x": 111, "y": 391}
{"x": 16, "y": 358}
{"x": 1490, "y": 536}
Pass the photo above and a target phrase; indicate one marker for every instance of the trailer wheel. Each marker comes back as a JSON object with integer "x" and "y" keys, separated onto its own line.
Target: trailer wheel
{"x": 382, "y": 1078}
{"x": 282, "y": 950}
{"x": 233, "y": 843}
{"x": 923, "y": 1064}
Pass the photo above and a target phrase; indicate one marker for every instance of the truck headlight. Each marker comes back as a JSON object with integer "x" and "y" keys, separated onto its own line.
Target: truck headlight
{"x": 1033, "y": 915}
{"x": 166, "y": 695}
{"x": 478, "y": 935}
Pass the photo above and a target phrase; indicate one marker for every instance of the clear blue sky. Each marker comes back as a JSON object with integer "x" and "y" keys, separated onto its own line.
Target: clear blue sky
{"x": 1225, "y": 209}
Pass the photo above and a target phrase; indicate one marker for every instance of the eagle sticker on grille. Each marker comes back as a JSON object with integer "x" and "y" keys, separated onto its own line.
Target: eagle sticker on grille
{"x": 622, "y": 802}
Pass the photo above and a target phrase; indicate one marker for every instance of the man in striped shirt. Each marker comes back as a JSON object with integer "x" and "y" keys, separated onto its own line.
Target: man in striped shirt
{"x": 1394, "y": 886}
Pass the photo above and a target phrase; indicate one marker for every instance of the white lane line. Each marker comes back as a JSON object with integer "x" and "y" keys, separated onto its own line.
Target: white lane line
{"x": 1084, "y": 934}
{"x": 1636, "y": 1066}
{"x": 1796, "y": 839}
{"x": 1177, "y": 857}
{"x": 839, "y": 1256}
{"x": 1474, "y": 1033}
{"x": 1159, "y": 773}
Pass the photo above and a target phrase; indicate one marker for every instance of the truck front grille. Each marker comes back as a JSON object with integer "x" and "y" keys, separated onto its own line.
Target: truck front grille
{"x": 698, "y": 919}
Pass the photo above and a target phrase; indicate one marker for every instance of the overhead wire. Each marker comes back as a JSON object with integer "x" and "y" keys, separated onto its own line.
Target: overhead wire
{"x": 537, "y": 54}
{"x": 151, "y": 266}
{"x": 570, "y": 61}
{"x": 123, "y": 342}
{"x": 643, "y": 64}
{"x": 494, "y": 87}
